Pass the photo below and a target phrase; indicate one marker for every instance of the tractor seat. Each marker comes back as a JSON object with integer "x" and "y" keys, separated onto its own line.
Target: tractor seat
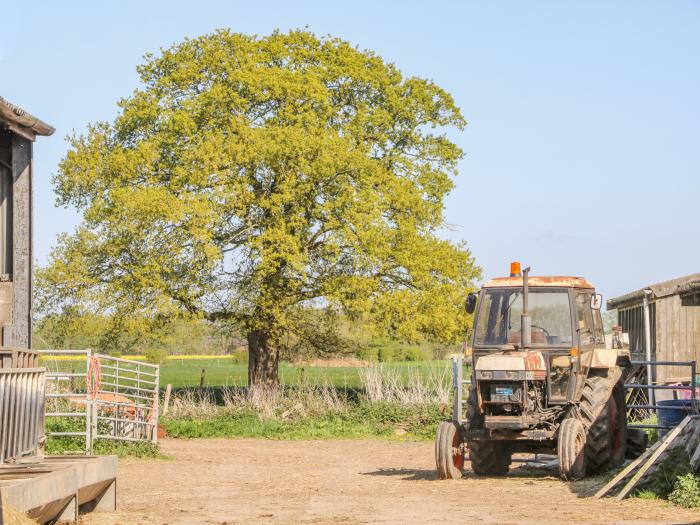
{"x": 537, "y": 336}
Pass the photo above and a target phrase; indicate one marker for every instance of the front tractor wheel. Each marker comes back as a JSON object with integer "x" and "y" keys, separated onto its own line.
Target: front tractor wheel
{"x": 449, "y": 455}
{"x": 571, "y": 446}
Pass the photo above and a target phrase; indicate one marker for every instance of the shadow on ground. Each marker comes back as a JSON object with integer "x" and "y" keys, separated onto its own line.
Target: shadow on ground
{"x": 529, "y": 474}
{"x": 407, "y": 474}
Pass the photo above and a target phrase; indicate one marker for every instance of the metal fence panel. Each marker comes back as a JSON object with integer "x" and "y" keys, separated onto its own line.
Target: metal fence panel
{"x": 118, "y": 398}
{"x": 126, "y": 399}
{"x": 640, "y": 403}
{"x": 67, "y": 395}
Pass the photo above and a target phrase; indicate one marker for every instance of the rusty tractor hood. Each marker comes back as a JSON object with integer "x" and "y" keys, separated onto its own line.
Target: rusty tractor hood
{"x": 532, "y": 363}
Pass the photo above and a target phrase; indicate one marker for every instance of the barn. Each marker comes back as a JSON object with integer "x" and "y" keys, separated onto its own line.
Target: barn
{"x": 18, "y": 130}
{"x": 674, "y": 319}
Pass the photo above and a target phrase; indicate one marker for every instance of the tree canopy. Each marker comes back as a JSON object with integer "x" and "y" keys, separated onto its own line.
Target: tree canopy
{"x": 250, "y": 177}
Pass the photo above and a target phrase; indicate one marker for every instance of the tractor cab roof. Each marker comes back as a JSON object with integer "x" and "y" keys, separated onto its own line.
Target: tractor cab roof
{"x": 557, "y": 281}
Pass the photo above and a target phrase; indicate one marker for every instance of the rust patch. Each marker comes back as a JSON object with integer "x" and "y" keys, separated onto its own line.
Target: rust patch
{"x": 555, "y": 280}
{"x": 534, "y": 361}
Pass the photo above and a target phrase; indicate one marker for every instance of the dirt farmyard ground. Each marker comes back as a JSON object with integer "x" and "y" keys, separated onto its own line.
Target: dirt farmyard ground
{"x": 348, "y": 482}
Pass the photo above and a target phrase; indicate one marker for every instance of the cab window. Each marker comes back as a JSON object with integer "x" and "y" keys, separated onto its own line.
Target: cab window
{"x": 584, "y": 316}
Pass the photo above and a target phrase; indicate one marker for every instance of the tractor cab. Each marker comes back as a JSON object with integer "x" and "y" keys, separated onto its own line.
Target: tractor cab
{"x": 562, "y": 323}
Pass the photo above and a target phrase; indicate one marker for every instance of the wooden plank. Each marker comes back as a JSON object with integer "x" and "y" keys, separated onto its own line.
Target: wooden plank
{"x": 626, "y": 471}
{"x": 166, "y": 400}
{"x": 670, "y": 437}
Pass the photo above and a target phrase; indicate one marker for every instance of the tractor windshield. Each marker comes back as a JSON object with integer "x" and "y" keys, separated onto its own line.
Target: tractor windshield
{"x": 498, "y": 320}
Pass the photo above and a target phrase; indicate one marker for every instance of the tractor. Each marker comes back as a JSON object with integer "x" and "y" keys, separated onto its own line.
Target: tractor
{"x": 542, "y": 381}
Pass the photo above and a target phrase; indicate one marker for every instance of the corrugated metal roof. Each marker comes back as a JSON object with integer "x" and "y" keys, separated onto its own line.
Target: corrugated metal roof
{"x": 19, "y": 121}
{"x": 555, "y": 280}
{"x": 681, "y": 285}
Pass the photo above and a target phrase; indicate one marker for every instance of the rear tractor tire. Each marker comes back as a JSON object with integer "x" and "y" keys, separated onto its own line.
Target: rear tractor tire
{"x": 606, "y": 434}
{"x": 449, "y": 454}
{"x": 571, "y": 445}
{"x": 489, "y": 458}
{"x": 637, "y": 443}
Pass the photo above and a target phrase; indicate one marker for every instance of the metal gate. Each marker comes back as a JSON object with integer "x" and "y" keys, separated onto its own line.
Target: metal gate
{"x": 641, "y": 398}
{"x": 66, "y": 395}
{"x": 101, "y": 397}
{"x": 124, "y": 397}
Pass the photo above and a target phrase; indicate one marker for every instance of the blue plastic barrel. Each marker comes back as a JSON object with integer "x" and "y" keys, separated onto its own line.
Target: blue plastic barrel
{"x": 672, "y": 411}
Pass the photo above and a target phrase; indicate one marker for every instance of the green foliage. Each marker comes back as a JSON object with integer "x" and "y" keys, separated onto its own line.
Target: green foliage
{"x": 240, "y": 357}
{"x": 361, "y": 420}
{"x": 73, "y": 444}
{"x": 368, "y": 353}
{"x": 318, "y": 176}
{"x": 157, "y": 356}
{"x": 225, "y": 372}
{"x": 176, "y": 336}
{"x": 686, "y": 491}
{"x": 652, "y": 433}
{"x": 386, "y": 350}
{"x": 646, "y": 494}
{"x": 385, "y": 354}
{"x": 663, "y": 480}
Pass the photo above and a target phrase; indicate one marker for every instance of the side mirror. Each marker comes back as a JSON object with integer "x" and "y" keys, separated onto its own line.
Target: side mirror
{"x": 470, "y": 305}
{"x": 596, "y": 301}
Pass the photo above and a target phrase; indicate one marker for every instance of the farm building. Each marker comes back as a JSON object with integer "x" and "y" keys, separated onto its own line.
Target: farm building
{"x": 674, "y": 319}
{"x": 18, "y": 130}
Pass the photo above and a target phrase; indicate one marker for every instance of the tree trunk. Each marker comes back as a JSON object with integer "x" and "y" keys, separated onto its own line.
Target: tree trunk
{"x": 263, "y": 361}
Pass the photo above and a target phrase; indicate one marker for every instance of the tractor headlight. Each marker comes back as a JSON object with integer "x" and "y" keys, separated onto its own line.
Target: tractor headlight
{"x": 485, "y": 374}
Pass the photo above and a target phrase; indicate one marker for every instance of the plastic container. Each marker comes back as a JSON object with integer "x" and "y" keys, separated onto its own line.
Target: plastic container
{"x": 670, "y": 417}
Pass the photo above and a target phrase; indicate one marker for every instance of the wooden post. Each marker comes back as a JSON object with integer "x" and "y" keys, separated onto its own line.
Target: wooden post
{"x": 201, "y": 379}
{"x": 670, "y": 437}
{"x": 626, "y": 471}
{"x": 166, "y": 399}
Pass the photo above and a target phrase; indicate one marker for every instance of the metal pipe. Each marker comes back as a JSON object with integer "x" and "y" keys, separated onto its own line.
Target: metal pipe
{"x": 647, "y": 344}
{"x": 457, "y": 389}
{"x": 693, "y": 384}
{"x": 525, "y": 321}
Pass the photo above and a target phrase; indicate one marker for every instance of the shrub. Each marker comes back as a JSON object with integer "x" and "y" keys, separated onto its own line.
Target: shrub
{"x": 156, "y": 356}
{"x": 385, "y": 354}
{"x": 663, "y": 480}
{"x": 411, "y": 353}
{"x": 368, "y": 353}
{"x": 240, "y": 356}
{"x": 686, "y": 491}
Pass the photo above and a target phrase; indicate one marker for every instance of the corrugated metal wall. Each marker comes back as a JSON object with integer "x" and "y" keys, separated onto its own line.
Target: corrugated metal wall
{"x": 632, "y": 321}
{"x": 22, "y": 392}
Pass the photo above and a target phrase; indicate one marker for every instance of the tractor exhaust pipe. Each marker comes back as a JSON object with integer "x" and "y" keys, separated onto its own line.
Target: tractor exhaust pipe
{"x": 525, "y": 321}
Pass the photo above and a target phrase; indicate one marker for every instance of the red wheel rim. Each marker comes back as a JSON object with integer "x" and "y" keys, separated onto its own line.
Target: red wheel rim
{"x": 580, "y": 444}
{"x": 457, "y": 455}
{"x": 613, "y": 425}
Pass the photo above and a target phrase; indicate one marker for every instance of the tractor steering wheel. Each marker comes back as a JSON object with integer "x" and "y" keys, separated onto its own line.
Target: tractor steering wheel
{"x": 546, "y": 333}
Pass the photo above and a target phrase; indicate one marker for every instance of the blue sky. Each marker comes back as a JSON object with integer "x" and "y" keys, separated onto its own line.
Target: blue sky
{"x": 582, "y": 149}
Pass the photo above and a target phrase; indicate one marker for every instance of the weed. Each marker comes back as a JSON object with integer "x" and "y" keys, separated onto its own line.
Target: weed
{"x": 662, "y": 481}
{"x": 686, "y": 491}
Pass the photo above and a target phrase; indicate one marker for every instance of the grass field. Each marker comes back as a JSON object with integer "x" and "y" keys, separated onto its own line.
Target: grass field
{"x": 223, "y": 371}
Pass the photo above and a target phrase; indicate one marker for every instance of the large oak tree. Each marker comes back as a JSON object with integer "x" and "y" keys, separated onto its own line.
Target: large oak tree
{"x": 249, "y": 177}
